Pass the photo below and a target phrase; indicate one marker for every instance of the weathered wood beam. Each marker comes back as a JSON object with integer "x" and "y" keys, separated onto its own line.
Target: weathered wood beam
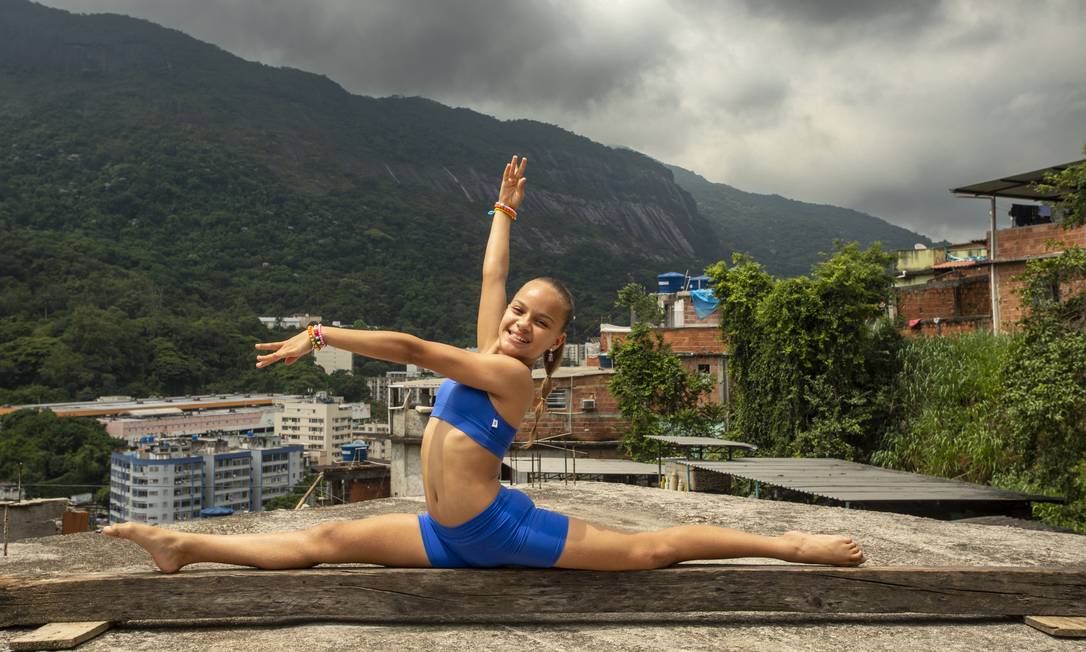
{"x": 385, "y": 594}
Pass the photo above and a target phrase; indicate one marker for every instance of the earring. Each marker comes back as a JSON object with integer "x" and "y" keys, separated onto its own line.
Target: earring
{"x": 550, "y": 356}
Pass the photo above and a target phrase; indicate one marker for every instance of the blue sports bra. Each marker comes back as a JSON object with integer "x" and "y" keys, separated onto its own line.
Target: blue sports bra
{"x": 472, "y": 411}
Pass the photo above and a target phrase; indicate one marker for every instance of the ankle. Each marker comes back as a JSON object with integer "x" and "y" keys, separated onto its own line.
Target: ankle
{"x": 789, "y": 546}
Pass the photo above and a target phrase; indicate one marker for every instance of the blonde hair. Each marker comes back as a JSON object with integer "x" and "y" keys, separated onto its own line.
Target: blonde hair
{"x": 552, "y": 360}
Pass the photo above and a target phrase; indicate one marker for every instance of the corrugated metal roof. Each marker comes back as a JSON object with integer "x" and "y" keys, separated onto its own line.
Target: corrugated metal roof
{"x": 1015, "y": 186}
{"x": 851, "y": 482}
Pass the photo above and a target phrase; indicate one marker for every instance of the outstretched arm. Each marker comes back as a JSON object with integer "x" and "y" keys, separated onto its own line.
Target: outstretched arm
{"x": 492, "y": 299}
{"x": 497, "y": 374}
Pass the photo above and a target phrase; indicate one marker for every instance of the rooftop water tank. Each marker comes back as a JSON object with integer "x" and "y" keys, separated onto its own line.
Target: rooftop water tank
{"x": 356, "y": 451}
{"x": 670, "y": 282}
{"x": 699, "y": 283}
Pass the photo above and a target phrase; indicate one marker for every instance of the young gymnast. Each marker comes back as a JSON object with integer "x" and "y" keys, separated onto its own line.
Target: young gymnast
{"x": 472, "y": 519}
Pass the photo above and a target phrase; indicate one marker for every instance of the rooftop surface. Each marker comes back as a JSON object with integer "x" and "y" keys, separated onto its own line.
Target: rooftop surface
{"x": 852, "y": 482}
{"x": 888, "y": 539}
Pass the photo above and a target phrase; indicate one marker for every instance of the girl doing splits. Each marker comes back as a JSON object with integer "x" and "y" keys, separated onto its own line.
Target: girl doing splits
{"x": 472, "y": 520}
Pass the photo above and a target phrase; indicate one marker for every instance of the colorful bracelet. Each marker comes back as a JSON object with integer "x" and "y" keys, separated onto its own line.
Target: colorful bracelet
{"x": 316, "y": 340}
{"x": 505, "y": 208}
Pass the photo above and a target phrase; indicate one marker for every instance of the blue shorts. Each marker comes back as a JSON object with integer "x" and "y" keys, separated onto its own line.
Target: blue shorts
{"x": 512, "y": 531}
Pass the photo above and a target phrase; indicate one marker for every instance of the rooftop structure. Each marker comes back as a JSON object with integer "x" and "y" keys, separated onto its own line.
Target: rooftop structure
{"x": 127, "y": 405}
{"x": 870, "y": 487}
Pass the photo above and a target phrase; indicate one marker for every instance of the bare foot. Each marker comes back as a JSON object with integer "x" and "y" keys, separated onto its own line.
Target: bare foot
{"x": 823, "y": 549}
{"x": 163, "y": 545}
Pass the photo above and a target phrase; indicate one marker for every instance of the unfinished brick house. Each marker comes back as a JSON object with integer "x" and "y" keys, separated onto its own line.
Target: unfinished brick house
{"x": 582, "y": 408}
{"x": 963, "y": 288}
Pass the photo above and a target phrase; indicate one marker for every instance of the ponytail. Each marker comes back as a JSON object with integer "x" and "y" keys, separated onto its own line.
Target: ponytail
{"x": 552, "y": 360}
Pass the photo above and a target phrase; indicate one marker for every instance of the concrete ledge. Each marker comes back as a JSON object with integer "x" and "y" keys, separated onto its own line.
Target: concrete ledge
{"x": 416, "y": 595}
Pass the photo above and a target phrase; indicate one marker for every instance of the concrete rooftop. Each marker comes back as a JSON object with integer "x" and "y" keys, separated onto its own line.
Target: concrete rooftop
{"x": 889, "y": 540}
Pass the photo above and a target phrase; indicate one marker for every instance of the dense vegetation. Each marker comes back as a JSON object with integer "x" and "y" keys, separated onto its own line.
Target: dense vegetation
{"x": 654, "y": 392}
{"x": 55, "y": 456}
{"x": 810, "y": 355}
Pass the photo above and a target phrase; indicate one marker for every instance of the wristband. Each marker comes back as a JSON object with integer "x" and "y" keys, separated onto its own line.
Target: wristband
{"x": 509, "y": 211}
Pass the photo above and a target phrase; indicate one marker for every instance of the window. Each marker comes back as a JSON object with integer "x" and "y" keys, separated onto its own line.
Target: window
{"x": 558, "y": 399}
{"x": 703, "y": 369}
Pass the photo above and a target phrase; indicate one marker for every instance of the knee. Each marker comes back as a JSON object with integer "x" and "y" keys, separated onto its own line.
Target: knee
{"x": 318, "y": 538}
{"x": 653, "y": 553}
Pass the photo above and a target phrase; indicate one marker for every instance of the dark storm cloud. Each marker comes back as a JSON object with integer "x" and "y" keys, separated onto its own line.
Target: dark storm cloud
{"x": 525, "y": 52}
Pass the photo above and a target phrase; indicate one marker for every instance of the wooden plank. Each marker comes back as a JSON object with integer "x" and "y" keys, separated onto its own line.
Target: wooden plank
{"x": 59, "y": 636}
{"x": 416, "y": 595}
{"x": 1062, "y": 626}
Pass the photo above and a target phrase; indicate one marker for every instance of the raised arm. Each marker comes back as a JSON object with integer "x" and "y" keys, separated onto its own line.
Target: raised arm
{"x": 497, "y": 374}
{"x": 492, "y": 299}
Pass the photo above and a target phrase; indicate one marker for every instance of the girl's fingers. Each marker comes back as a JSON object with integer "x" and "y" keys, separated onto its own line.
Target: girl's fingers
{"x": 523, "y": 164}
{"x": 269, "y": 346}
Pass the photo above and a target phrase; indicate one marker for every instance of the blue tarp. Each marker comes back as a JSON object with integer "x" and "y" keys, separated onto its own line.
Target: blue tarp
{"x": 216, "y": 511}
{"x": 705, "y": 302}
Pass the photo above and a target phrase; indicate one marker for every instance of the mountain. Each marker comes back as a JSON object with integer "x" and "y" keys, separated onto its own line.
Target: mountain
{"x": 158, "y": 193}
{"x": 783, "y": 234}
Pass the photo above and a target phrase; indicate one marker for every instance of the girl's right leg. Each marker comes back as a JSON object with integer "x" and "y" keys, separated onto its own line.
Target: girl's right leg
{"x": 594, "y": 547}
{"x": 389, "y": 540}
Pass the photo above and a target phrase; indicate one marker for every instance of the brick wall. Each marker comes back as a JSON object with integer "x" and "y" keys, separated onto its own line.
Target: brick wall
{"x": 1028, "y": 241}
{"x": 959, "y": 294}
{"x": 690, "y": 316}
{"x": 688, "y": 339}
{"x": 1031, "y": 240}
{"x": 604, "y": 423}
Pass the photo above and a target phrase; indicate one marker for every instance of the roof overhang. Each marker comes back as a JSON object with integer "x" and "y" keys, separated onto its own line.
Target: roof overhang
{"x": 1016, "y": 186}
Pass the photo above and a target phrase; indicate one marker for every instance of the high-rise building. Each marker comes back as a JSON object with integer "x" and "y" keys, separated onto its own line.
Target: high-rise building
{"x": 173, "y": 479}
{"x": 321, "y": 425}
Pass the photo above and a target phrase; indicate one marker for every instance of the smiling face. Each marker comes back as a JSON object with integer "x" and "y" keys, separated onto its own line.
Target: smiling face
{"x": 533, "y": 322}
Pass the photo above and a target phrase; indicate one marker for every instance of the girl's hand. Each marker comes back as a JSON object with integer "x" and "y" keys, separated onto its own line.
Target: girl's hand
{"x": 511, "y": 192}
{"x": 287, "y": 350}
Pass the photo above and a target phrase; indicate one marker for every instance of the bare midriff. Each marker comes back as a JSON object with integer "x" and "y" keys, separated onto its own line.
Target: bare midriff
{"x": 459, "y": 477}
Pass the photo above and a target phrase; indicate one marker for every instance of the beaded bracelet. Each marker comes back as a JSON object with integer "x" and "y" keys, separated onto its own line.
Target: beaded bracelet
{"x": 505, "y": 208}
{"x": 315, "y": 338}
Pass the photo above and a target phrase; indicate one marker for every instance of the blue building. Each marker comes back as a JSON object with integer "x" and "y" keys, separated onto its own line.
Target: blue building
{"x": 168, "y": 480}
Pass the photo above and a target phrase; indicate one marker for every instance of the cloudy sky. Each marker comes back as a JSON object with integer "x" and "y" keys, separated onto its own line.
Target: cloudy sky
{"x": 875, "y": 105}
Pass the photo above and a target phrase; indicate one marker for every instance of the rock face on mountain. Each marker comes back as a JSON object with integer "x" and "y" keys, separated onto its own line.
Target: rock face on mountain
{"x": 320, "y": 137}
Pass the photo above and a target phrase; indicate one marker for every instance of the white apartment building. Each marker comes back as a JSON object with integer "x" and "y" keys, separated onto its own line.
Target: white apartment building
{"x": 320, "y": 425}
{"x": 332, "y": 359}
{"x": 172, "y": 479}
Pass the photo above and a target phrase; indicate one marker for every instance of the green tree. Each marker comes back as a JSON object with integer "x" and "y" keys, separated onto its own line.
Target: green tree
{"x": 55, "y": 450}
{"x": 1070, "y": 183}
{"x": 656, "y": 394}
{"x": 643, "y": 306}
{"x": 811, "y": 356}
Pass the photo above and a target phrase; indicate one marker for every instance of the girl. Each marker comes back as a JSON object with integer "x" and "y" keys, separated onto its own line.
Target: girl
{"x": 472, "y": 519}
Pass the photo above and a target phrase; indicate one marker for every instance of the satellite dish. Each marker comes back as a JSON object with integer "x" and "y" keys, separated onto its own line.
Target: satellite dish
{"x": 920, "y": 246}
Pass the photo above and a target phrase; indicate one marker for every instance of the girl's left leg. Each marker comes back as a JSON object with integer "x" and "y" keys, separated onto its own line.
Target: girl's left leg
{"x": 594, "y": 547}
{"x": 389, "y": 540}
